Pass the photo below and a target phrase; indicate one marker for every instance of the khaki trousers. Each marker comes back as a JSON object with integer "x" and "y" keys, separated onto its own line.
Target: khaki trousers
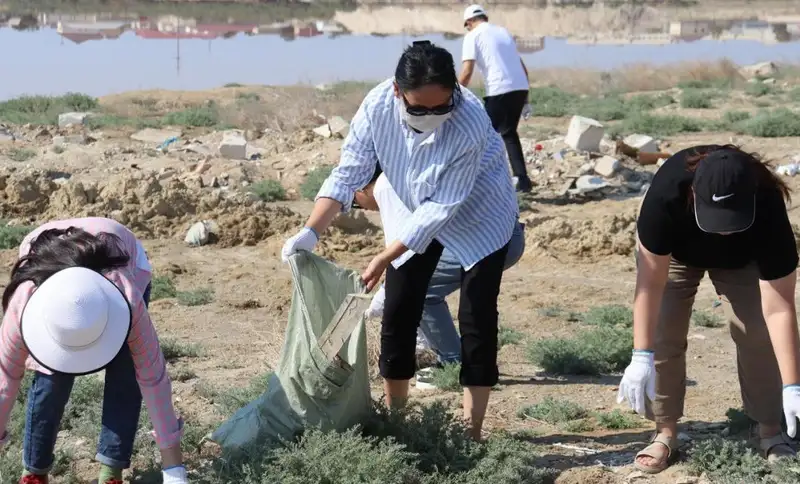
{"x": 759, "y": 377}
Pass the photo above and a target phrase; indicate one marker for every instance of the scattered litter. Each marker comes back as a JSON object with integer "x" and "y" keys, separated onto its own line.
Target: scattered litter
{"x": 582, "y": 450}
{"x": 155, "y": 136}
{"x": 789, "y": 169}
{"x": 588, "y": 183}
{"x": 172, "y": 139}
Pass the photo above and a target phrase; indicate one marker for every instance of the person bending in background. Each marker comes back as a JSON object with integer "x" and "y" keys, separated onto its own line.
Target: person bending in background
{"x": 437, "y": 328}
{"x": 76, "y": 304}
{"x": 506, "y": 81}
{"x": 717, "y": 210}
{"x": 439, "y": 152}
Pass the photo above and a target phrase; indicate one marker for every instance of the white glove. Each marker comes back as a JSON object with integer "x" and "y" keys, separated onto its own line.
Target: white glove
{"x": 791, "y": 408}
{"x": 639, "y": 381}
{"x": 175, "y": 475}
{"x": 527, "y": 111}
{"x": 306, "y": 239}
{"x": 375, "y": 309}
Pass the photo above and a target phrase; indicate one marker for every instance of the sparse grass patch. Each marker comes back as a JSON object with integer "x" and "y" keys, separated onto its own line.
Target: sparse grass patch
{"x": 719, "y": 83}
{"x": 174, "y": 349}
{"x": 268, "y": 190}
{"x": 758, "y": 89}
{"x": 598, "y": 351}
{"x": 697, "y": 99}
{"x": 182, "y": 374}
{"x": 233, "y": 84}
{"x": 644, "y": 102}
{"x": 794, "y": 95}
{"x": 733, "y": 117}
{"x": 313, "y": 182}
{"x": 738, "y": 421}
{"x": 611, "y": 315}
{"x": 195, "y": 297}
{"x": 508, "y": 336}
{"x": 195, "y": 117}
{"x": 229, "y": 400}
{"x": 58, "y": 149}
{"x": 447, "y": 377}
{"x": 162, "y": 287}
{"x": 579, "y": 426}
{"x": 554, "y": 411}
{"x": 658, "y": 125}
{"x": 617, "y": 420}
{"x": 11, "y": 236}
{"x": 727, "y": 461}
{"x": 777, "y": 123}
{"x": 44, "y": 109}
{"x": 248, "y": 96}
{"x": 706, "y": 319}
{"x": 20, "y": 154}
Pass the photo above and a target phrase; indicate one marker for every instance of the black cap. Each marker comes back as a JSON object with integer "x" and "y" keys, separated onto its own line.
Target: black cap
{"x": 725, "y": 192}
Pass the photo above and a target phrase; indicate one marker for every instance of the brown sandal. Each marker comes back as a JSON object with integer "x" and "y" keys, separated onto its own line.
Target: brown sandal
{"x": 775, "y": 448}
{"x": 672, "y": 445}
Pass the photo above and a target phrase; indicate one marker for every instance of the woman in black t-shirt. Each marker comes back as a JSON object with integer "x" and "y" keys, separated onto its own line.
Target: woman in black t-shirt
{"x": 716, "y": 210}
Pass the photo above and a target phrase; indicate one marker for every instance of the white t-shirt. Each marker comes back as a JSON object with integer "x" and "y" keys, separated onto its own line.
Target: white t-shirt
{"x": 494, "y": 51}
{"x": 393, "y": 213}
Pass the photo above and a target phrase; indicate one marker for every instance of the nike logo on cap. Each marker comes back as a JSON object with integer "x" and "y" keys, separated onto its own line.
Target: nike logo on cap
{"x": 717, "y": 199}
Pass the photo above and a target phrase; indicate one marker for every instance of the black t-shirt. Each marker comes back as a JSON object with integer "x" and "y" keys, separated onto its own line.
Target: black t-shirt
{"x": 667, "y": 225}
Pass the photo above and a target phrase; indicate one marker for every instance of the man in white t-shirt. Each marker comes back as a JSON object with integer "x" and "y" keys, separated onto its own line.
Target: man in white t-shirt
{"x": 437, "y": 330}
{"x": 494, "y": 50}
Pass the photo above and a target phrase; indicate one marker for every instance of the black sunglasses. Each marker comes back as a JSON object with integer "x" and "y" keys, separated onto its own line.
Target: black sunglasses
{"x": 436, "y": 110}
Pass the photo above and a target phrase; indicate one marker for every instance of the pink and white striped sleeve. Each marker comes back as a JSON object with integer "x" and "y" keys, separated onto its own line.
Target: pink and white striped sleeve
{"x": 151, "y": 368}
{"x": 13, "y": 352}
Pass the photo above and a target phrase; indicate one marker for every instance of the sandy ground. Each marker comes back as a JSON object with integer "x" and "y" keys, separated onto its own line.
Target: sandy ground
{"x": 579, "y": 255}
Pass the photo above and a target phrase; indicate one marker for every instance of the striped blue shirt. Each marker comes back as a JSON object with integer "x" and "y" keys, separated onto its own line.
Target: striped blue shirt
{"x": 456, "y": 181}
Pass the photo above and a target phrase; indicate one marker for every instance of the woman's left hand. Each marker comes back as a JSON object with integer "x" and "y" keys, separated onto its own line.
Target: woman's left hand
{"x": 372, "y": 275}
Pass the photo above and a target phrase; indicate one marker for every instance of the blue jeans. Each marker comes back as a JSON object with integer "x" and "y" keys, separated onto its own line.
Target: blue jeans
{"x": 122, "y": 401}
{"x": 437, "y": 326}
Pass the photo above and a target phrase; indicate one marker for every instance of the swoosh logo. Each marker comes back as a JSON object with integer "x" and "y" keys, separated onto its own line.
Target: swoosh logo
{"x": 717, "y": 199}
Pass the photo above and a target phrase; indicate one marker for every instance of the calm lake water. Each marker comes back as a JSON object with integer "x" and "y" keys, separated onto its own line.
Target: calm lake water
{"x": 100, "y": 54}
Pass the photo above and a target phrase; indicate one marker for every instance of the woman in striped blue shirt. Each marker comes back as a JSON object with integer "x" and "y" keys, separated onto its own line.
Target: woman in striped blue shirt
{"x": 438, "y": 150}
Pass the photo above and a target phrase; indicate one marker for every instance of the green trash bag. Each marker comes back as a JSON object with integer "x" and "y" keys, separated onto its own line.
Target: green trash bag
{"x": 307, "y": 389}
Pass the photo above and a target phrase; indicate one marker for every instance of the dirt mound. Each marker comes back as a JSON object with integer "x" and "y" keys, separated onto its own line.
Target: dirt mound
{"x": 584, "y": 239}
{"x": 152, "y": 208}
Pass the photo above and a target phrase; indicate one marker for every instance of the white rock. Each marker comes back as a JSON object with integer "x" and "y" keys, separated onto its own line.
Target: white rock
{"x": 762, "y": 69}
{"x": 588, "y": 183}
{"x": 197, "y": 234}
{"x": 606, "y": 166}
{"x": 233, "y": 147}
{"x": 72, "y": 118}
{"x": 584, "y": 134}
{"x": 585, "y": 169}
{"x": 338, "y": 126}
{"x": 72, "y": 139}
{"x": 642, "y": 142}
{"x": 6, "y": 136}
{"x": 771, "y": 80}
{"x": 324, "y": 131}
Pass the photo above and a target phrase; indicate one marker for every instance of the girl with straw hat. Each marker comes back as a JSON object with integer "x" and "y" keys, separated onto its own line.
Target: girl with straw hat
{"x": 77, "y": 304}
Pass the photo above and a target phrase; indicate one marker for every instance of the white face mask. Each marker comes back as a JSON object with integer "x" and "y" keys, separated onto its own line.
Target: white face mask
{"x": 426, "y": 123}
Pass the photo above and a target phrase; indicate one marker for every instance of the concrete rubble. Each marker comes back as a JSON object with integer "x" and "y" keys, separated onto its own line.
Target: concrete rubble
{"x": 233, "y": 146}
{"x": 70, "y": 119}
{"x": 642, "y": 142}
{"x": 584, "y": 134}
{"x": 334, "y": 127}
{"x": 70, "y": 139}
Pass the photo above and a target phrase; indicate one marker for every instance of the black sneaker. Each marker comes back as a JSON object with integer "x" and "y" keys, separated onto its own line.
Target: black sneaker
{"x": 524, "y": 185}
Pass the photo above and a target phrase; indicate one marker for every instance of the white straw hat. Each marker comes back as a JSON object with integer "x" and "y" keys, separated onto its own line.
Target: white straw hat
{"x": 75, "y": 322}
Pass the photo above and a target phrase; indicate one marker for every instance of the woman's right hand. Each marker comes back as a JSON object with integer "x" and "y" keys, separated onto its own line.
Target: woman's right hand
{"x": 638, "y": 381}
{"x": 306, "y": 239}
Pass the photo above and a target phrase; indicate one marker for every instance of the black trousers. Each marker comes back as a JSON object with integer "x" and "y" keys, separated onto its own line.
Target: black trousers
{"x": 505, "y": 110}
{"x": 406, "y": 288}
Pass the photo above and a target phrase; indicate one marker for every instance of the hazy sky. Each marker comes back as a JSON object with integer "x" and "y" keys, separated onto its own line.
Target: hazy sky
{"x": 41, "y": 62}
